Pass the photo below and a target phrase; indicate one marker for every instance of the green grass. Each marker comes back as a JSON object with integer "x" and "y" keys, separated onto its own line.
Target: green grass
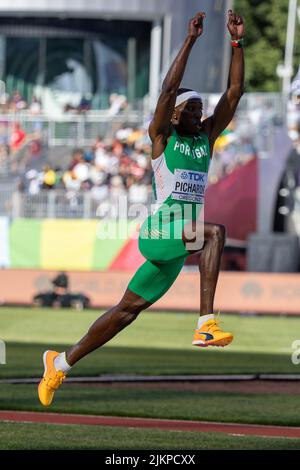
{"x": 276, "y": 408}
{"x": 158, "y": 330}
{"x": 54, "y": 437}
{"x": 156, "y": 343}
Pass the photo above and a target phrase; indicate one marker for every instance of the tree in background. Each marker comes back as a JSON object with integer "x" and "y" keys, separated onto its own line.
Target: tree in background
{"x": 265, "y": 42}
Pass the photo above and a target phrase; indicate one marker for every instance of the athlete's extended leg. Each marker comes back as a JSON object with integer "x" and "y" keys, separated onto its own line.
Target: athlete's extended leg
{"x": 106, "y": 327}
{"x": 151, "y": 281}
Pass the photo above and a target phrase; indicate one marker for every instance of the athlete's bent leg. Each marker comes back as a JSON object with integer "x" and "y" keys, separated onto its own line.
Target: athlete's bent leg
{"x": 213, "y": 236}
{"x": 208, "y": 331}
{"x": 209, "y": 265}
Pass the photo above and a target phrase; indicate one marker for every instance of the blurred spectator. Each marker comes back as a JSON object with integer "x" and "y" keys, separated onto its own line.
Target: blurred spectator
{"x": 293, "y": 109}
{"x": 34, "y": 150}
{"x": 100, "y": 192}
{"x": 17, "y": 102}
{"x": 117, "y": 188}
{"x": 35, "y": 106}
{"x": 17, "y": 137}
{"x": 88, "y": 155}
{"x": 293, "y": 115}
{"x": 34, "y": 182}
{"x": 102, "y": 157}
{"x": 77, "y": 156}
{"x": 117, "y": 103}
{"x": 81, "y": 170}
{"x": 49, "y": 178}
{"x": 60, "y": 283}
{"x": 70, "y": 181}
{"x": 295, "y": 85}
{"x": 137, "y": 192}
{"x": 85, "y": 104}
{"x": 4, "y": 102}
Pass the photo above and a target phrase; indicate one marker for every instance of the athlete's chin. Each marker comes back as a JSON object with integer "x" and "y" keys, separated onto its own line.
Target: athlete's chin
{"x": 196, "y": 128}
{"x": 191, "y": 128}
{"x": 195, "y": 125}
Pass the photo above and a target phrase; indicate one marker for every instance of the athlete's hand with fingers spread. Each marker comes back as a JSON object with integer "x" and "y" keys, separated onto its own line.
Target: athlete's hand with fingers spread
{"x": 196, "y": 25}
{"x": 235, "y": 25}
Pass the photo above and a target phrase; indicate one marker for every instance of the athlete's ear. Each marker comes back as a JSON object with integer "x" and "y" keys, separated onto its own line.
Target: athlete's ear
{"x": 174, "y": 119}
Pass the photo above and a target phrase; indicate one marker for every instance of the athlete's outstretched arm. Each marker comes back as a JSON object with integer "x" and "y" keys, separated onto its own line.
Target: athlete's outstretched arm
{"x": 227, "y": 105}
{"x": 159, "y": 129}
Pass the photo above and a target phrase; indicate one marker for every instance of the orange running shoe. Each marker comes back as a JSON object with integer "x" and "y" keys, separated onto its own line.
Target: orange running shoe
{"x": 51, "y": 380}
{"x": 210, "y": 334}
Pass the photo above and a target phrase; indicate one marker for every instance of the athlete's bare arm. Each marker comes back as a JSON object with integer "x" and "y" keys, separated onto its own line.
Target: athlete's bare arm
{"x": 227, "y": 105}
{"x": 159, "y": 129}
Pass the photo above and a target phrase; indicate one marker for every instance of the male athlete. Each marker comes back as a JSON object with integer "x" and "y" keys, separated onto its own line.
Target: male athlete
{"x": 182, "y": 148}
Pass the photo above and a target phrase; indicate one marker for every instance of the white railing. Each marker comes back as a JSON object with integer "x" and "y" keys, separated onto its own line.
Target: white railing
{"x": 62, "y": 204}
{"x": 82, "y": 129}
{"x": 72, "y": 129}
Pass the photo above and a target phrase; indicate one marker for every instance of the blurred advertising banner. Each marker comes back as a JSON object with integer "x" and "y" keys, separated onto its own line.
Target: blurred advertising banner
{"x": 74, "y": 244}
{"x": 4, "y": 242}
{"x": 242, "y": 292}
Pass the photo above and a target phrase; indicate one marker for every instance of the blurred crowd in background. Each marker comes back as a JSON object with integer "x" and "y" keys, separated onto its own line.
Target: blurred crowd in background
{"x": 120, "y": 164}
{"x": 16, "y": 103}
{"x": 123, "y": 165}
{"x": 110, "y": 167}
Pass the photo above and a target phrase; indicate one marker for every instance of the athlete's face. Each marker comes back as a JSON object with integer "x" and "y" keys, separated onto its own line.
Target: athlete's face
{"x": 188, "y": 115}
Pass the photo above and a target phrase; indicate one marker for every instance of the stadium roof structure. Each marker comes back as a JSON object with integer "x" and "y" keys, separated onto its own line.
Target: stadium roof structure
{"x": 208, "y": 66}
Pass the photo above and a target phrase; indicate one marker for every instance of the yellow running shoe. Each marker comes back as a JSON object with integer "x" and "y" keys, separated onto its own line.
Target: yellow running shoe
{"x": 51, "y": 380}
{"x": 210, "y": 334}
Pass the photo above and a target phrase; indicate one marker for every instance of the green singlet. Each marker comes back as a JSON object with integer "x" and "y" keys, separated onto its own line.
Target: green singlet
{"x": 179, "y": 183}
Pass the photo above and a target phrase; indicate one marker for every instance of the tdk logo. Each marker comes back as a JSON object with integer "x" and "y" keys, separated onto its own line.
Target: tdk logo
{"x": 193, "y": 176}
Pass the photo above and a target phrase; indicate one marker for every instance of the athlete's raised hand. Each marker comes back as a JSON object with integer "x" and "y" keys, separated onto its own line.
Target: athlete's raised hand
{"x": 160, "y": 127}
{"x": 235, "y": 25}
{"x": 196, "y": 25}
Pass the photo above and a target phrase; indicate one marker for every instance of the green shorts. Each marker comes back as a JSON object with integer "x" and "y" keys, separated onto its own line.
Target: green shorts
{"x": 165, "y": 252}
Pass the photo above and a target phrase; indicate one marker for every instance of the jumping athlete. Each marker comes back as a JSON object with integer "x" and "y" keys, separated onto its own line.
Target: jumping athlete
{"x": 181, "y": 153}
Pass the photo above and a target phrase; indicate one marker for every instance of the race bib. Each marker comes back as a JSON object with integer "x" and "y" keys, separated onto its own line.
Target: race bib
{"x": 189, "y": 186}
